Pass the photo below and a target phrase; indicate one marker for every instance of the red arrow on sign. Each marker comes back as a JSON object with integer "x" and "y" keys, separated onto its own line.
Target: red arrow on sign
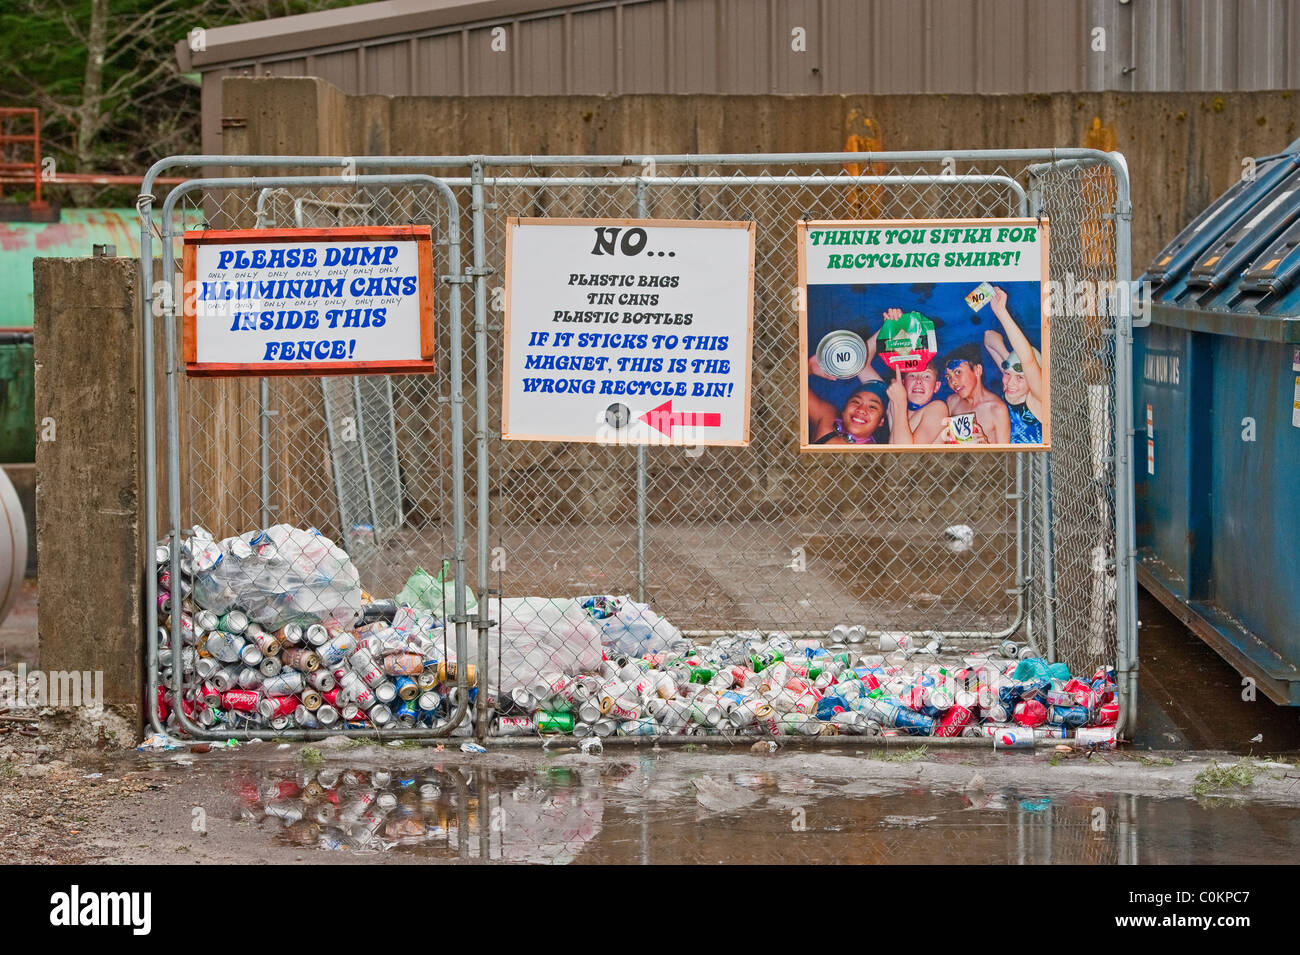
{"x": 664, "y": 419}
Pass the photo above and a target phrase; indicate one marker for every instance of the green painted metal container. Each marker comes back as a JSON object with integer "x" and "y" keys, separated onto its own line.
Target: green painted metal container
{"x": 17, "y": 402}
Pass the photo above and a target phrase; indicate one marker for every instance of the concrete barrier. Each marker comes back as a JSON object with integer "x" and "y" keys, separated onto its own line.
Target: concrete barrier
{"x": 89, "y": 530}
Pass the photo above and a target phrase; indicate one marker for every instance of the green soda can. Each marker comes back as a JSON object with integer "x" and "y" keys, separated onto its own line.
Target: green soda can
{"x": 701, "y": 674}
{"x": 761, "y": 661}
{"x": 554, "y": 722}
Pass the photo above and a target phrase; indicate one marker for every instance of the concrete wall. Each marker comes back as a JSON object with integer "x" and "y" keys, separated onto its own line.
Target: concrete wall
{"x": 1183, "y": 149}
{"x": 89, "y": 528}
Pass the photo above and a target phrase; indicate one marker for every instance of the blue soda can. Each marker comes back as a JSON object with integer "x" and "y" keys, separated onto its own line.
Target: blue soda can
{"x": 829, "y": 705}
{"x": 1009, "y": 694}
{"x": 407, "y": 688}
{"x": 913, "y": 723}
{"x": 1037, "y": 688}
{"x": 1067, "y": 715}
{"x": 407, "y": 712}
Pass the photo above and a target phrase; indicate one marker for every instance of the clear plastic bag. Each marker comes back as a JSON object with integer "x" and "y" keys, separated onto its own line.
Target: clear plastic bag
{"x": 537, "y": 635}
{"x": 629, "y": 628}
{"x": 282, "y": 575}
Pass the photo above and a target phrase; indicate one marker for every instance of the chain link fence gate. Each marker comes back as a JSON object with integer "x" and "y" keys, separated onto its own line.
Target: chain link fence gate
{"x": 715, "y": 540}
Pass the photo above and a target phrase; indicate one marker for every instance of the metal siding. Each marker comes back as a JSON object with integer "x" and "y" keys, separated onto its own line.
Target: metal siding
{"x": 951, "y": 47}
{"x": 489, "y": 69}
{"x": 696, "y": 47}
{"x": 745, "y": 41}
{"x": 339, "y": 68}
{"x": 541, "y": 56}
{"x": 295, "y": 67}
{"x": 851, "y": 60}
{"x": 439, "y": 65}
{"x": 792, "y": 72}
{"x": 644, "y": 44}
{"x": 1261, "y": 44}
{"x": 594, "y": 52}
{"x": 855, "y": 46}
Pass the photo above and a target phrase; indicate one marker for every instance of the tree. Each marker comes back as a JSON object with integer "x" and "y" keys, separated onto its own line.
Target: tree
{"x": 105, "y": 76}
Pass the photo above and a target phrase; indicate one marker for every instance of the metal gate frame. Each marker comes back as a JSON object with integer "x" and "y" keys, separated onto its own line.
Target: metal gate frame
{"x": 163, "y": 298}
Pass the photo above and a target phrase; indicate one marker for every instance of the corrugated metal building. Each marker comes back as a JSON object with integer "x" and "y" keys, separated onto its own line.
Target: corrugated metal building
{"x": 539, "y": 47}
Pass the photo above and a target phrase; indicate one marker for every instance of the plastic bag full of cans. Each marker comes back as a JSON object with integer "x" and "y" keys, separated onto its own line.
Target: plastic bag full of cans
{"x": 749, "y": 684}
{"x": 385, "y": 673}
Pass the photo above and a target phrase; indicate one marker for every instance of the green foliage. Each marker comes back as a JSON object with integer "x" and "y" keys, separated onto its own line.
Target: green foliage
{"x": 1216, "y": 778}
{"x": 145, "y": 108}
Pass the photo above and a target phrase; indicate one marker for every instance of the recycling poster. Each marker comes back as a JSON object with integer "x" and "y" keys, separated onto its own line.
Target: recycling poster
{"x": 924, "y": 335}
{"x": 628, "y": 331}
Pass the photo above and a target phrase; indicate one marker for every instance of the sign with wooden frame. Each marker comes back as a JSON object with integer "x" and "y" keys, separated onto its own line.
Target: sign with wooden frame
{"x": 628, "y": 331}
{"x": 345, "y": 301}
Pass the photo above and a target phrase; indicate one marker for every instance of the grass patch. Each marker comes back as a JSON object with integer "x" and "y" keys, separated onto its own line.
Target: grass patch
{"x": 1216, "y": 778}
{"x": 1155, "y": 760}
{"x": 311, "y": 755}
{"x": 909, "y": 755}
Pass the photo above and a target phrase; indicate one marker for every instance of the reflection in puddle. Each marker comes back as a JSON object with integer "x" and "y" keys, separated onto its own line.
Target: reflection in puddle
{"x": 636, "y": 812}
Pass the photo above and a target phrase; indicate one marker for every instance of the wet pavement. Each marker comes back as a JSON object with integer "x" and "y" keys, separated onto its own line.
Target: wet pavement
{"x": 368, "y": 804}
{"x": 1189, "y": 698}
{"x": 1178, "y": 794}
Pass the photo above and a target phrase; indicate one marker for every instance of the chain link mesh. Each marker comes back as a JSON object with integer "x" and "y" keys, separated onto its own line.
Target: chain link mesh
{"x": 735, "y": 539}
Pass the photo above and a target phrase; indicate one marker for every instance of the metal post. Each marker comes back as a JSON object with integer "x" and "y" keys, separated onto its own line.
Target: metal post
{"x": 144, "y": 205}
{"x": 264, "y": 433}
{"x": 481, "y": 434}
{"x": 641, "y": 464}
{"x": 1049, "y": 570}
{"x": 1126, "y": 663}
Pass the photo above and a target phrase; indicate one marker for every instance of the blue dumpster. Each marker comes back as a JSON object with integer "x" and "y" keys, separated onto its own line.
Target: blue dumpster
{"x": 1217, "y": 386}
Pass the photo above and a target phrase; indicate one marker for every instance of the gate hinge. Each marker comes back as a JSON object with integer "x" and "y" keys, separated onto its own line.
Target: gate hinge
{"x": 486, "y": 270}
{"x": 455, "y": 279}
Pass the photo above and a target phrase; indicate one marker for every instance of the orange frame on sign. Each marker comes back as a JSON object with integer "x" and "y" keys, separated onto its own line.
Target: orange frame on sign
{"x": 422, "y": 235}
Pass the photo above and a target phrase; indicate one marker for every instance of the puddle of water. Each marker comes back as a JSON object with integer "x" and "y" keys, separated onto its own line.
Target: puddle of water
{"x": 634, "y": 813}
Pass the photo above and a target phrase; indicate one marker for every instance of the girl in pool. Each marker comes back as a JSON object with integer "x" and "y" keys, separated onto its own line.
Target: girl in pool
{"x": 861, "y": 421}
{"x": 1022, "y": 374}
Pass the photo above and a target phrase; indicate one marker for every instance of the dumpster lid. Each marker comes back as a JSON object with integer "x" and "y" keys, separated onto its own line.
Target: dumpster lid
{"x": 1240, "y": 256}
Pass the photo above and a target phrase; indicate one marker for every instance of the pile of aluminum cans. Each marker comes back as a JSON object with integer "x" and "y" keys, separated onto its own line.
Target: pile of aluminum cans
{"x": 777, "y": 685}
{"x": 391, "y": 671}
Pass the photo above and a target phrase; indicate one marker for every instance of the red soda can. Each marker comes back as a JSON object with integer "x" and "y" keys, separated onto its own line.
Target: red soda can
{"x": 1030, "y": 713}
{"x": 915, "y": 697}
{"x": 163, "y": 709}
{"x": 243, "y": 701}
{"x": 331, "y": 697}
{"x": 955, "y": 719}
{"x": 1108, "y": 713}
{"x": 274, "y": 706}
